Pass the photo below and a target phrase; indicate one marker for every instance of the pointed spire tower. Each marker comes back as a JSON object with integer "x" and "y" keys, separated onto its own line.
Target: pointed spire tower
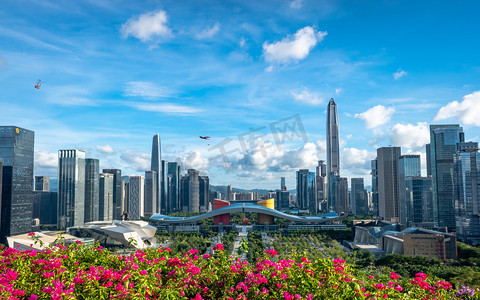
{"x": 333, "y": 152}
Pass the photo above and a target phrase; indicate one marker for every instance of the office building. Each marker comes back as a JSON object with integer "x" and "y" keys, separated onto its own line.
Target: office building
{"x": 156, "y": 165}
{"x": 443, "y": 146}
{"x": 42, "y": 183}
{"x": 173, "y": 183}
{"x": 71, "y": 188}
{"x": 136, "y": 197}
{"x": 91, "y": 190}
{"x": 418, "y": 195}
{"x": 282, "y": 200}
{"x": 429, "y": 160}
{"x": 408, "y": 166}
{"x": 321, "y": 185}
{"x": 45, "y": 207}
{"x": 117, "y": 192}
{"x": 374, "y": 174}
{"x": 16, "y": 154}
{"x": 333, "y": 149}
{"x": 150, "y": 193}
{"x": 195, "y": 192}
{"x": 388, "y": 196}
{"x": 283, "y": 187}
{"x": 306, "y": 191}
{"x": 106, "y": 191}
{"x": 466, "y": 192}
{"x": 341, "y": 195}
{"x": 204, "y": 193}
{"x": 359, "y": 201}
{"x": 230, "y": 194}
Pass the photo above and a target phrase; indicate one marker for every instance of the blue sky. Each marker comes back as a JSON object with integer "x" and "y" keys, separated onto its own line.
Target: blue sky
{"x": 114, "y": 73}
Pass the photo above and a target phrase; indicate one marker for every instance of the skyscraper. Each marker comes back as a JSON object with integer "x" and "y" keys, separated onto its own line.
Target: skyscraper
{"x": 283, "y": 187}
{"x": 42, "y": 183}
{"x": 358, "y": 197}
{"x": 195, "y": 192}
{"x": 16, "y": 155}
{"x": 150, "y": 193}
{"x": 306, "y": 190}
{"x": 91, "y": 189}
{"x": 71, "y": 188}
{"x": 106, "y": 191}
{"x": 321, "y": 185}
{"x": 408, "y": 166}
{"x": 156, "y": 165}
{"x": 173, "y": 183}
{"x": 443, "y": 146}
{"x": 341, "y": 195}
{"x": 388, "y": 196}
{"x": 467, "y": 192}
{"x": 333, "y": 151}
{"x": 117, "y": 192}
{"x": 136, "y": 197}
{"x": 419, "y": 200}
{"x": 374, "y": 174}
{"x": 204, "y": 193}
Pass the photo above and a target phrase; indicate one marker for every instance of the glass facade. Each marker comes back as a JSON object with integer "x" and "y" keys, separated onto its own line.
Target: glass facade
{"x": 117, "y": 192}
{"x": 173, "y": 192}
{"x": 135, "y": 197}
{"x": 150, "y": 193}
{"x": 156, "y": 165}
{"x": 321, "y": 185}
{"x": 467, "y": 191}
{"x": 358, "y": 197}
{"x": 45, "y": 207}
{"x": 418, "y": 193}
{"x": 306, "y": 190}
{"x": 71, "y": 188}
{"x": 443, "y": 143}
{"x": 374, "y": 174}
{"x": 388, "y": 196}
{"x": 42, "y": 183}
{"x": 106, "y": 188}
{"x": 16, "y": 154}
{"x": 91, "y": 190}
{"x": 408, "y": 166}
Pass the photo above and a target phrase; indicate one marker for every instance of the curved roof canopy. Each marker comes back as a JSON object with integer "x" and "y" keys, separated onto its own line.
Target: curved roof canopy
{"x": 245, "y": 207}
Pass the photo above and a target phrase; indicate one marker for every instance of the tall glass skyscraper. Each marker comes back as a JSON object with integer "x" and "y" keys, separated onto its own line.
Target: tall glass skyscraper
{"x": 374, "y": 174}
{"x": 16, "y": 155}
{"x": 321, "y": 185}
{"x": 173, "y": 192}
{"x": 306, "y": 190}
{"x": 333, "y": 151}
{"x": 358, "y": 197}
{"x": 91, "y": 189}
{"x": 117, "y": 192}
{"x": 388, "y": 196}
{"x": 71, "y": 188}
{"x": 136, "y": 197}
{"x": 443, "y": 146}
{"x": 107, "y": 189}
{"x": 408, "y": 166}
{"x": 150, "y": 193}
{"x": 467, "y": 191}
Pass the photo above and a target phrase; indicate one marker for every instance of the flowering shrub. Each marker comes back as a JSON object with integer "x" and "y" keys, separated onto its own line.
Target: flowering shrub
{"x": 79, "y": 272}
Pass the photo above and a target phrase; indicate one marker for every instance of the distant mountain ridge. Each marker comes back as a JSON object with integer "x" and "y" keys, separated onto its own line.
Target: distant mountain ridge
{"x": 223, "y": 189}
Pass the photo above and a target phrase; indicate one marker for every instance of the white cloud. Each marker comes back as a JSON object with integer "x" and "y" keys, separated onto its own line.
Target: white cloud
{"x": 145, "y": 89}
{"x": 69, "y": 95}
{"x": 242, "y": 42}
{"x": 307, "y": 97}
{"x": 46, "y": 159}
{"x": 168, "y": 108}
{"x": 411, "y": 136}
{"x": 466, "y": 111}
{"x": 293, "y": 48}
{"x": 209, "y": 32}
{"x": 399, "y": 74}
{"x": 193, "y": 160}
{"x": 146, "y": 26}
{"x": 376, "y": 116}
{"x": 338, "y": 91}
{"x": 269, "y": 69}
{"x": 137, "y": 160}
{"x": 352, "y": 158}
{"x": 105, "y": 149}
{"x": 296, "y": 4}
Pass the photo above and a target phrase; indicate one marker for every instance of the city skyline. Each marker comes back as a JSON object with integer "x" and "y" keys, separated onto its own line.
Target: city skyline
{"x": 115, "y": 74}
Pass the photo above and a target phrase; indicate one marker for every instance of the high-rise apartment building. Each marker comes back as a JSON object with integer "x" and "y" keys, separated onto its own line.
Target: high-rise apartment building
{"x": 408, "y": 166}
{"x": 443, "y": 146}
{"x": 136, "y": 197}
{"x": 117, "y": 192}
{"x": 306, "y": 190}
{"x": 359, "y": 201}
{"x": 71, "y": 188}
{"x": 106, "y": 192}
{"x": 150, "y": 193}
{"x": 42, "y": 183}
{"x": 16, "y": 156}
{"x": 467, "y": 192}
{"x": 92, "y": 167}
{"x": 388, "y": 195}
{"x": 173, "y": 183}
{"x": 321, "y": 185}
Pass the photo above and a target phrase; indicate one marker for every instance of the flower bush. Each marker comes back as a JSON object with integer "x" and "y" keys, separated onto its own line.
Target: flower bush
{"x": 80, "y": 272}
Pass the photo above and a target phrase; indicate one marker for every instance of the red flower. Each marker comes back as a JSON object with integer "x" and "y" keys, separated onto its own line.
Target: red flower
{"x": 218, "y": 247}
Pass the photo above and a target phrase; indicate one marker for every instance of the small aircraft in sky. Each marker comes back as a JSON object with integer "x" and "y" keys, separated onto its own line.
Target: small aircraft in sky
{"x": 205, "y": 137}
{"x": 38, "y": 84}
